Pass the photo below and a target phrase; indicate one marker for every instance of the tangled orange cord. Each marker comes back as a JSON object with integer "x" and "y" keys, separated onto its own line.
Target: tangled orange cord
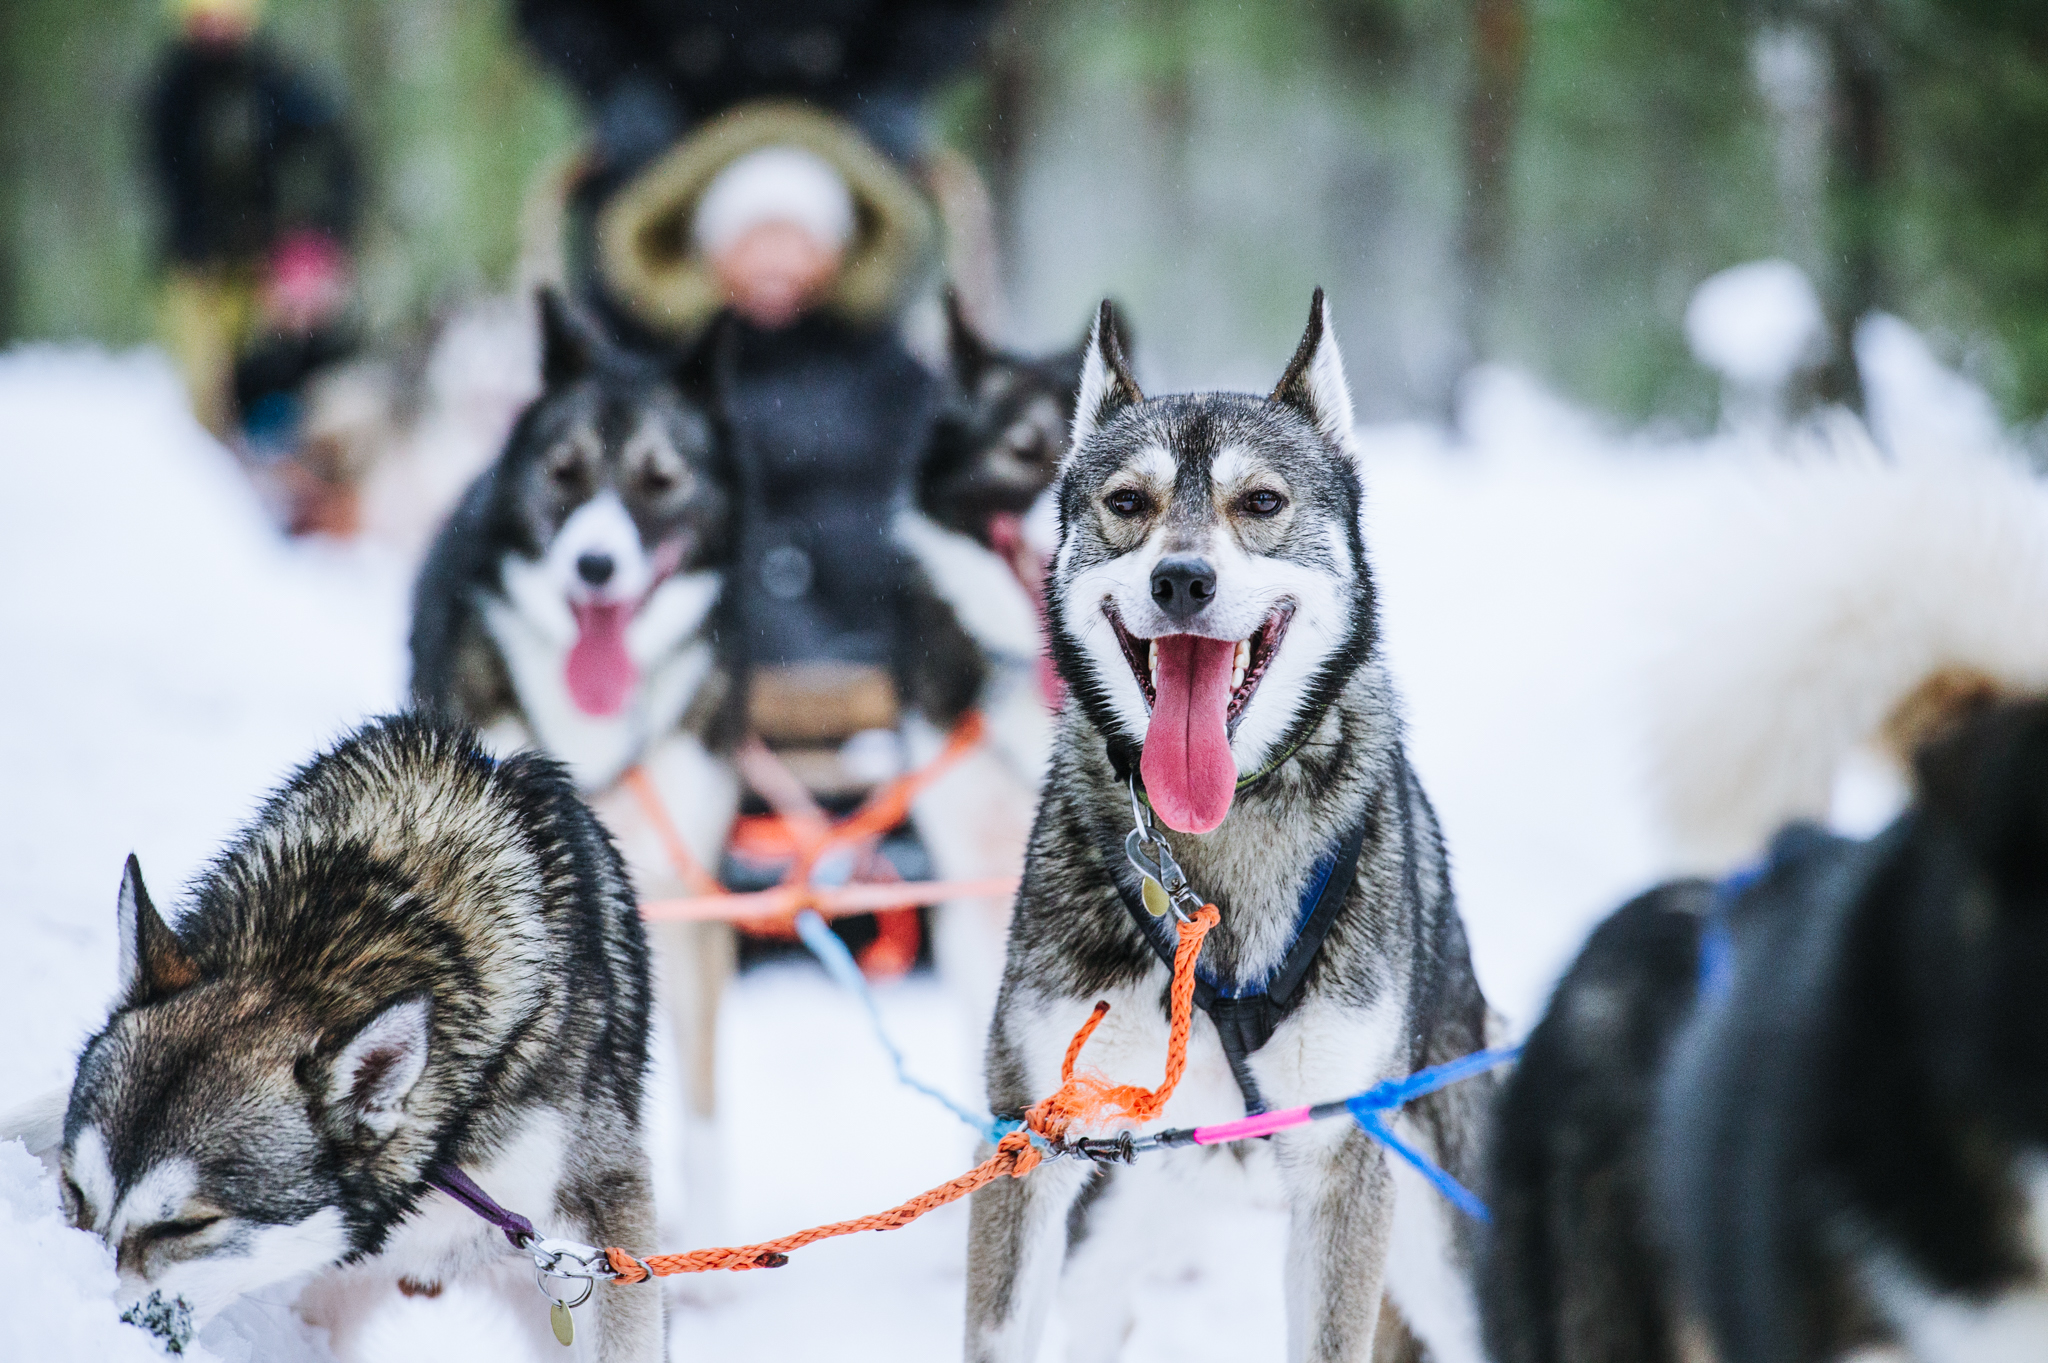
{"x": 1086, "y": 1098}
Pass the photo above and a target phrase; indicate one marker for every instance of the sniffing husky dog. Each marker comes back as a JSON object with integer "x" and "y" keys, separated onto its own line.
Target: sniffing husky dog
{"x": 414, "y": 957}
{"x": 994, "y": 448}
{"x": 1807, "y": 1118}
{"x": 573, "y": 603}
{"x": 1213, "y": 615}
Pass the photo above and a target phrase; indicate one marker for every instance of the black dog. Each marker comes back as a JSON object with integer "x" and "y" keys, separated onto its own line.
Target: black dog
{"x": 1809, "y": 1117}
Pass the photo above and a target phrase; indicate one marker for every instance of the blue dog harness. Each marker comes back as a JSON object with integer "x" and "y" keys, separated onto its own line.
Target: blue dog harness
{"x": 1247, "y": 1012}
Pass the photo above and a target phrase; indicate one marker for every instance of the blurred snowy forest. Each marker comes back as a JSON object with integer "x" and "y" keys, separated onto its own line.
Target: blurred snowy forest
{"x": 1538, "y": 181}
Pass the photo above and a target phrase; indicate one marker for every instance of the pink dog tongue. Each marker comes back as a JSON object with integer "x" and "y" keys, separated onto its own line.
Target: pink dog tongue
{"x": 1189, "y": 774}
{"x": 601, "y": 676}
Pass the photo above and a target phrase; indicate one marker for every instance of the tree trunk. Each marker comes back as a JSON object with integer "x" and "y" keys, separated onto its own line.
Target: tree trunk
{"x": 1500, "y": 58}
{"x": 1859, "y": 155}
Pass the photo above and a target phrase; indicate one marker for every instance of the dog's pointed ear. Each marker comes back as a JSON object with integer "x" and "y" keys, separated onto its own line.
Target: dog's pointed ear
{"x": 567, "y": 349}
{"x": 1121, "y": 325}
{"x": 1314, "y": 382}
{"x": 153, "y": 961}
{"x": 1106, "y": 383}
{"x": 968, "y": 354}
{"x": 381, "y": 1063}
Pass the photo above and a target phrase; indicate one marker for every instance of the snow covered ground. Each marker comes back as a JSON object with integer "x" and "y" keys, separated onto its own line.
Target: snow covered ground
{"x": 171, "y": 658}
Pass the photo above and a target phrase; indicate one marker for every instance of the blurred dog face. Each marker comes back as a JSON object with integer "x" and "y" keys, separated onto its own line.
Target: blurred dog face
{"x": 1210, "y": 591}
{"x": 617, "y": 497}
{"x": 997, "y": 442}
{"x": 208, "y": 1130}
{"x": 621, "y": 474}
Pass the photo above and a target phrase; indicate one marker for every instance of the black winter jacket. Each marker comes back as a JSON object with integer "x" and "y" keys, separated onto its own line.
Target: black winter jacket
{"x": 245, "y": 150}
{"x": 830, "y": 420}
{"x": 652, "y": 69}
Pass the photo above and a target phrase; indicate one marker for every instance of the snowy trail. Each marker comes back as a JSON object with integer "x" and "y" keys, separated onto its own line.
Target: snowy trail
{"x": 171, "y": 659}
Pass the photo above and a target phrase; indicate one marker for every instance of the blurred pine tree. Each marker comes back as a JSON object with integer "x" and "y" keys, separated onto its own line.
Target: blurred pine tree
{"x": 1540, "y": 181}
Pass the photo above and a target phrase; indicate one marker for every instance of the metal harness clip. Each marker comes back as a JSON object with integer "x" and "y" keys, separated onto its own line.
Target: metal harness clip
{"x": 1149, "y": 853}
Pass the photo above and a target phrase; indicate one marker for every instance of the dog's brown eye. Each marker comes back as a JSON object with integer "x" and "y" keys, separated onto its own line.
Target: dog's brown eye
{"x": 566, "y": 471}
{"x": 1127, "y": 502}
{"x": 656, "y": 479}
{"x": 1263, "y": 502}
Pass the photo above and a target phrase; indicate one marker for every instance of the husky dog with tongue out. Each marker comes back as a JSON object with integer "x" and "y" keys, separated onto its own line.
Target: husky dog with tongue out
{"x": 567, "y": 602}
{"x": 1212, "y": 614}
{"x": 573, "y": 603}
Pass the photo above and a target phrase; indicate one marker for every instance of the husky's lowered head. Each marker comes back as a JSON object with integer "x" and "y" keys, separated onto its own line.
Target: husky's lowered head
{"x": 1211, "y": 596}
{"x": 416, "y": 956}
{"x": 571, "y": 590}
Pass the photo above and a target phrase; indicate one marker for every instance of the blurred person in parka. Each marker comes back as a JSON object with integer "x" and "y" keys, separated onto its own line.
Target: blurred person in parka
{"x": 769, "y": 158}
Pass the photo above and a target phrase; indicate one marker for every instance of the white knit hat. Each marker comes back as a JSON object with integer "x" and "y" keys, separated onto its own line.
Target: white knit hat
{"x": 774, "y": 184}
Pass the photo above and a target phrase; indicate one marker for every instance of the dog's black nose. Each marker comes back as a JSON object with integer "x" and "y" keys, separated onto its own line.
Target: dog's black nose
{"x": 1182, "y": 586}
{"x": 596, "y": 569}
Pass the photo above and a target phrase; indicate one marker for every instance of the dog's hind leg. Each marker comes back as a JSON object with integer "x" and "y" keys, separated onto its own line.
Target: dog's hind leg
{"x": 1016, "y": 1245}
{"x": 1341, "y": 1204}
{"x": 1428, "y": 1276}
{"x": 693, "y": 961}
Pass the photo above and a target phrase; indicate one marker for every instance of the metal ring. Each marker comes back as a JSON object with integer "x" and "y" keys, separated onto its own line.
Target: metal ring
{"x": 542, "y": 1276}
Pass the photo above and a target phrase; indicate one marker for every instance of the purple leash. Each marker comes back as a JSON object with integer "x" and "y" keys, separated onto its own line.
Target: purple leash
{"x": 463, "y": 1189}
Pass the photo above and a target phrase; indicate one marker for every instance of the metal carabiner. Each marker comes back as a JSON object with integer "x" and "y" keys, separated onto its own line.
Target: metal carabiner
{"x": 1165, "y": 886}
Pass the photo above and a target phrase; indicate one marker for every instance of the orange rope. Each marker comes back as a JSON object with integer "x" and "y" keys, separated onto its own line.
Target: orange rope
{"x": 808, "y": 830}
{"x": 695, "y": 878}
{"x": 1086, "y": 1098}
{"x": 757, "y": 906}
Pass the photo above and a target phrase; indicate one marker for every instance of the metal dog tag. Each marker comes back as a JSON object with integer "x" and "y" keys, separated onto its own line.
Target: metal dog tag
{"x": 564, "y": 1323}
{"x": 1154, "y": 894}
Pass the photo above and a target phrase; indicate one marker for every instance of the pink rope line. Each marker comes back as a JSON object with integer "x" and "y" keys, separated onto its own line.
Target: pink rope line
{"x": 1245, "y": 1128}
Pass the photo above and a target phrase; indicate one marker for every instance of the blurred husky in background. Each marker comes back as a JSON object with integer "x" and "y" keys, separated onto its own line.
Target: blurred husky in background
{"x": 575, "y": 602}
{"x": 1790, "y": 1122}
{"x": 980, "y": 528}
{"x": 416, "y": 956}
{"x": 1213, "y": 614}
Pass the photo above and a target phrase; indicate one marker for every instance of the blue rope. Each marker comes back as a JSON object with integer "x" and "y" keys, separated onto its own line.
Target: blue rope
{"x": 1369, "y": 1110}
{"x": 840, "y": 965}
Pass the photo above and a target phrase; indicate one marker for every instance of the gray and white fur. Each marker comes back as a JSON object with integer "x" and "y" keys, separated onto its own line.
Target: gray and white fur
{"x": 1265, "y": 493}
{"x": 415, "y": 955}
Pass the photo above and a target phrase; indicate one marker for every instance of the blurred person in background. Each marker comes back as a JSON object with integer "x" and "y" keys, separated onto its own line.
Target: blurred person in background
{"x": 257, "y": 180}
{"x": 770, "y": 158}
